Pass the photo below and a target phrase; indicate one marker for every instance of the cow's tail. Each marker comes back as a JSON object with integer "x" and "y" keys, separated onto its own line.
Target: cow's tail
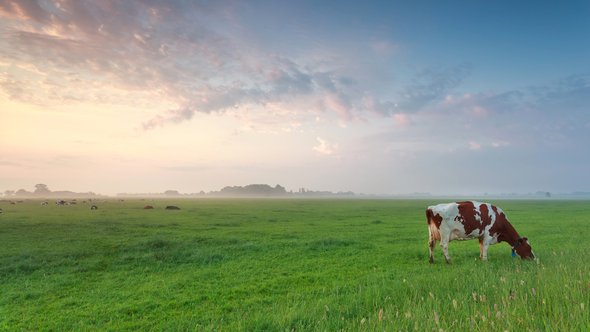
{"x": 433, "y": 231}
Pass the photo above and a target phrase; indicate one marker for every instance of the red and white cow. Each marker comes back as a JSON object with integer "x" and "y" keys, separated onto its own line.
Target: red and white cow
{"x": 471, "y": 220}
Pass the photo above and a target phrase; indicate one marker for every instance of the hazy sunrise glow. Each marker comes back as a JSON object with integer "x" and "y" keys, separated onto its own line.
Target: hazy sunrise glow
{"x": 372, "y": 97}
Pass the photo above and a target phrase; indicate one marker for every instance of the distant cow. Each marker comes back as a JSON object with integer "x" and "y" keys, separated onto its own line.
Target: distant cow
{"x": 471, "y": 220}
{"x": 172, "y": 207}
{"x": 94, "y": 207}
{"x": 60, "y": 202}
{"x": 1, "y": 211}
{"x": 45, "y": 203}
{"x": 148, "y": 207}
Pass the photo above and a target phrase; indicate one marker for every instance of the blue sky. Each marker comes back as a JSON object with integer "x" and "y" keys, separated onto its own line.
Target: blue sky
{"x": 389, "y": 97}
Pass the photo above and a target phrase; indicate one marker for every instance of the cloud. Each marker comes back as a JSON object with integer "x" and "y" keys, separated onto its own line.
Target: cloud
{"x": 188, "y": 54}
{"x": 171, "y": 116}
{"x": 401, "y": 119}
{"x": 325, "y": 148}
{"x": 499, "y": 144}
{"x": 23, "y": 10}
{"x": 474, "y": 146}
{"x": 196, "y": 56}
{"x": 384, "y": 47}
{"x": 572, "y": 92}
{"x": 338, "y": 104}
{"x": 432, "y": 84}
{"x": 201, "y": 57}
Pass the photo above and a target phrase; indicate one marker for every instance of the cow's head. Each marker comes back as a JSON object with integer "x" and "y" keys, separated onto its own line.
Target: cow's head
{"x": 523, "y": 248}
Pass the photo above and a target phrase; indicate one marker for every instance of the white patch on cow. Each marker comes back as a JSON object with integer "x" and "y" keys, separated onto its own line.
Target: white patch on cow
{"x": 489, "y": 237}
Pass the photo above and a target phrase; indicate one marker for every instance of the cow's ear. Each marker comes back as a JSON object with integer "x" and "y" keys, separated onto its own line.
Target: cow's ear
{"x": 525, "y": 239}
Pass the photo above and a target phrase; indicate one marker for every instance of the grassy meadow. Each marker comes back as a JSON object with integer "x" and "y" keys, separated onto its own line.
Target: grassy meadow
{"x": 284, "y": 265}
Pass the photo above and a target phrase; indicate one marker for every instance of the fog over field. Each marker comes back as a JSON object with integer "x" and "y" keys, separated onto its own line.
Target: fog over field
{"x": 372, "y": 97}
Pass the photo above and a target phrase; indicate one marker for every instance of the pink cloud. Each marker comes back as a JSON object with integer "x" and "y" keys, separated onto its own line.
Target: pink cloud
{"x": 401, "y": 119}
{"x": 499, "y": 144}
{"x": 474, "y": 146}
{"x": 335, "y": 103}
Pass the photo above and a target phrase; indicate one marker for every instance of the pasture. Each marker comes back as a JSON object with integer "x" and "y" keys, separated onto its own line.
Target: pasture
{"x": 284, "y": 265}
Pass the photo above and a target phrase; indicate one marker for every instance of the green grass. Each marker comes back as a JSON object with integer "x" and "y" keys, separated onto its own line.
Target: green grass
{"x": 278, "y": 265}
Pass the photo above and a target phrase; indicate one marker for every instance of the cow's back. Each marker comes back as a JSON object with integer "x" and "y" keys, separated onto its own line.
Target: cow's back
{"x": 467, "y": 219}
{"x": 444, "y": 213}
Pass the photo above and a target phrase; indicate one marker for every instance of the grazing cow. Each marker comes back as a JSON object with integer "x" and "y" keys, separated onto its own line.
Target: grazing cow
{"x": 94, "y": 207}
{"x": 45, "y": 203}
{"x": 148, "y": 207}
{"x": 172, "y": 207}
{"x": 470, "y": 220}
{"x": 1, "y": 211}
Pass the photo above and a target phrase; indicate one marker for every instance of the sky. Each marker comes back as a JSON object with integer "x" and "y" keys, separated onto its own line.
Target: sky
{"x": 375, "y": 97}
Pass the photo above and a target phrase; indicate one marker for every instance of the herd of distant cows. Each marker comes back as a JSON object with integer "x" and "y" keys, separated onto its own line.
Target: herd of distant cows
{"x": 446, "y": 222}
{"x": 62, "y": 202}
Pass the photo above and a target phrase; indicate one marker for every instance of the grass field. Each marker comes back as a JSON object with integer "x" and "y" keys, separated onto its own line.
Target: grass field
{"x": 283, "y": 265}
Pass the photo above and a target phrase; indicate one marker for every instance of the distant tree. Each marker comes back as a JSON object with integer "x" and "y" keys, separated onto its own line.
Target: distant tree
{"x": 279, "y": 190}
{"x": 548, "y": 194}
{"x": 41, "y": 189}
{"x": 171, "y": 193}
{"x": 254, "y": 190}
{"x": 22, "y": 192}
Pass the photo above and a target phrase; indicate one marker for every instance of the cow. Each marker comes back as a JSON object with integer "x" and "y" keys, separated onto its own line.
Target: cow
{"x": 94, "y": 207}
{"x": 172, "y": 207}
{"x": 148, "y": 207}
{"x": 473, "y": 220}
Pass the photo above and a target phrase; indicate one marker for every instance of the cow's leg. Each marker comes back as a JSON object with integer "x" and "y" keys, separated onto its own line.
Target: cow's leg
{"x": 431, "y": 244}
{"x": 484, "y": 244}
{"x": 481, "y": 248}
{"x": 444, "y": 244}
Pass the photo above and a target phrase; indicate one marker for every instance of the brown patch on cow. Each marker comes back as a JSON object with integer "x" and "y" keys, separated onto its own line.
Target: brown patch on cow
{"x": 485, "y": 216}
{"x": 523, "y": 249}
{"x": 467, "y": 217}
{"x": 431, "y": 217}
{"x": 471, "y": 219}
{"x": 148, "y": 207}
{"x": 502, "y": 226}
